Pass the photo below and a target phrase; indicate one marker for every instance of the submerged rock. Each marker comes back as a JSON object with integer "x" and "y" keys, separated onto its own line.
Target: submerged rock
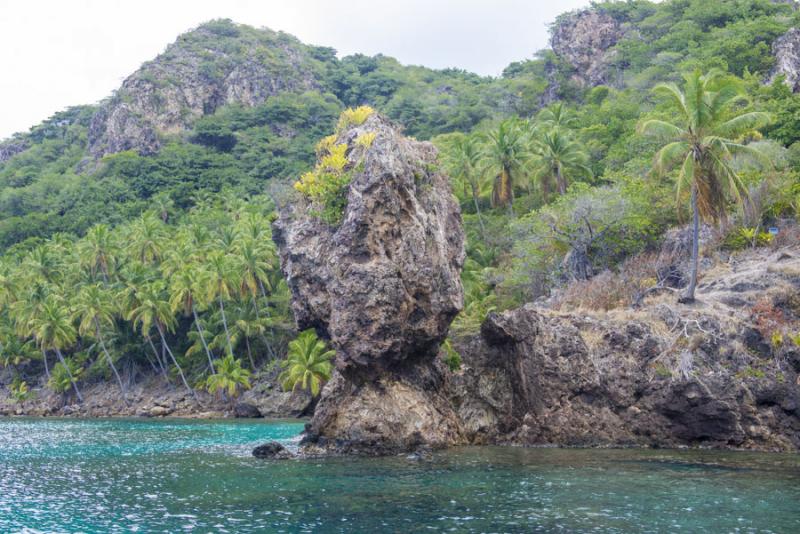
{"x": 272, "y": 451}
{"x": 383, "y": 287}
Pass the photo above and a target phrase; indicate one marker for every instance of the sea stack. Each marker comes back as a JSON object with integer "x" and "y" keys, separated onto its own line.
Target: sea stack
{"x": 382, "y": 285}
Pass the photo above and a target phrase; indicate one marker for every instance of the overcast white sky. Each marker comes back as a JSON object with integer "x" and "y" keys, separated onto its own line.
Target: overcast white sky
{"x": 54, "y": 54}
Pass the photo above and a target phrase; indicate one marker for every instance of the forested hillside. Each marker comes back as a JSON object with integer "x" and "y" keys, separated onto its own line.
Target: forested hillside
{"x": 136, "y": 231}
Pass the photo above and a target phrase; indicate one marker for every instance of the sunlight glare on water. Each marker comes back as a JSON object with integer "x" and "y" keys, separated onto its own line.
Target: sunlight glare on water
{"x": 174, "y": 475}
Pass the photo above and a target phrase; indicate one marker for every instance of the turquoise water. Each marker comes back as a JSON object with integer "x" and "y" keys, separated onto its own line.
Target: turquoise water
{"x": 197, "y": 476}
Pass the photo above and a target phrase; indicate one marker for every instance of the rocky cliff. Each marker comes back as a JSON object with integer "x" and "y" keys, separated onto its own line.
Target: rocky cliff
{"x": 786, "y": 50}
{"x": 585, "y": 40}
{"x": 383, "y": 287}
{"x": 216, "y": 64}
{"x": 666, "y": 375}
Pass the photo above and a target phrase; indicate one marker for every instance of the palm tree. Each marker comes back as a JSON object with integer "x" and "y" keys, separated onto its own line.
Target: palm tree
{"x": 93, "y": 307}
{"x": 221, "y": 284}
{"x": 146, "y": 238}
{"x": 254, "y": 261}
{"x": 465, "y": 163}
{"x": 183, "y": 298}
{"x": 97, "y": 250}
{"x": 557, "y": 116}
{"x": 229, "y": 378}
{"x": 153, "y": 309}
{"x": 505, "y": 152}
{"x": 701, "y": 142}
{"x": 53, "y": 330}
{"x": 558, "y": 158}
{"x": 246, "y": 324}
{"x": 307, "y": 364}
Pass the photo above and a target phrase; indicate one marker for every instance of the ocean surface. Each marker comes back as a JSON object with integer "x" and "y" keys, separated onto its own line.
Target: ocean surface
{"x": 135, "y": 475}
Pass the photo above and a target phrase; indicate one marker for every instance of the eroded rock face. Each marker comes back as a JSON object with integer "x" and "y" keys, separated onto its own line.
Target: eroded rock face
{"x": 383, "y": 287}
{"x": 538, "y": 378}
{"x": 786, "y": 50}
{"x": 200, "y": 72}
{"x": 585, "y": 40}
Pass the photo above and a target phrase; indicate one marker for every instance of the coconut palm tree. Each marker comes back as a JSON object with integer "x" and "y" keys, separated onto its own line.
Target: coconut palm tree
{"x": 97, "y": 250}
{"x": 93, "y": 307}
{"x": 229, "y": 378}
{"x": 221, "y": 284}
{"x": 184, "y": 293}
{"x": 464, "y": 160}
{"x": 53, "y": 330}
{"x": 146, "y": 238}
{"x": 557, "y": 116}
{"x": 558, "y": 159}
{"x": 307, "y": 364}
{"x": 153, "y": 309}
{"x": 505, "y": 152}
{"x": 701, "y": 142}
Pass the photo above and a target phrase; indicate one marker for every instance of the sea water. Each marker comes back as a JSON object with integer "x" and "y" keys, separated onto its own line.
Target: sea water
{"x": 144, "y": 475}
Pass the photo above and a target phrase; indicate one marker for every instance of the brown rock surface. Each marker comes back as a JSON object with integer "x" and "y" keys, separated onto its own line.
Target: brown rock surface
{"x": 383, "y": 287}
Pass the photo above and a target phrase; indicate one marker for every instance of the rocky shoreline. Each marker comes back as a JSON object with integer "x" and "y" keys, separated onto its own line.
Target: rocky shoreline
{"x": 153, "y": 398}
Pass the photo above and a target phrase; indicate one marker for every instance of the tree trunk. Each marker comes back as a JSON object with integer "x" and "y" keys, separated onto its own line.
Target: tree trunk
{"x": 271, "y": 329}
{"x": 203, "y": 339}
{"x": 478, "y": 211}
{"x": 263, "y": 337}
{"x": 158, "y": 359}
{"x": 46, "y": 367}
{"x": 561, "y": 183}
{"x": 110, "y": 361}
{"x": 69, "y": 374}
{"x": 688, "y": 295}
{"x": 225, "y": 326}
{"x": 249, "y": 353}
{"x": 169, "y": 351}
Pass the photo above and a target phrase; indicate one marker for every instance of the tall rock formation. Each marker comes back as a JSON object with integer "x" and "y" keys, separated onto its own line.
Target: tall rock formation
{"x": 383, "y": 287}
{"x": 786, "y": 50}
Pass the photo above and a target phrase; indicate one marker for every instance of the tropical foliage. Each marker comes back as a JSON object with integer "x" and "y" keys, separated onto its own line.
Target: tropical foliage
{"x": 307, "y": 365}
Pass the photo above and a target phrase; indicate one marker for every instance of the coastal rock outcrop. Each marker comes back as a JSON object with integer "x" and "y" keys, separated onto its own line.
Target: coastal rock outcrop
{"x": 666, "y": 375}
{"x": 383, "y": 287}
{"x": 786, "y": 50}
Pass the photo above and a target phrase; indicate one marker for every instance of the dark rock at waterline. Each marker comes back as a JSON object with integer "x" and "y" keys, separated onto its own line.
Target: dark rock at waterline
{"x": 383, "y": 286}
{"x": 272, "y": 451}
{"x": 246, "y": 410}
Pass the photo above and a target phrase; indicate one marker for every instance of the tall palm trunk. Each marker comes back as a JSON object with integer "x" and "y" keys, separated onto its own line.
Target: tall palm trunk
{"x": 46, "y": 367}
{"x": 271, "y": 330}
{"x": 158, "y": 359}
{"x": 169, "y": 351}
{"x": 478, "y": 209}
{"x": 263, "y": 337}
{"x": 225, "y": 325}
{"x": 561, "y": 183}
{"x": 203, "y": 339}
{"x": 69, "y": 374}
{"x": 249, "y": 353}
{"x": 688, "y": 295}
{"x": 110, "y": 361}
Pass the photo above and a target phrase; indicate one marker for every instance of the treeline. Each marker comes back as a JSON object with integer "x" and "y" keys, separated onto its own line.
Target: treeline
{"x": 175, "y": 296}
